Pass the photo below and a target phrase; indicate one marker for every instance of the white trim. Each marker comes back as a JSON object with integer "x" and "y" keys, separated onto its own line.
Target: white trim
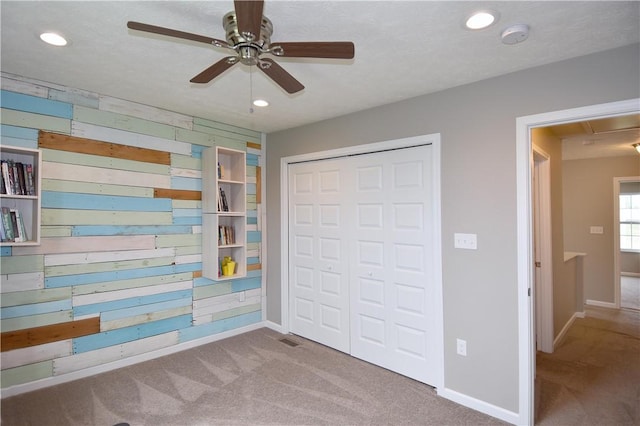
{"x": 617, "y": 273}
{"x": 565, "y": 329}
{"x": 524, "y": 238}
{"x": 434, "y": 140}
{"x": 630, "y": 274}
{"x": 481, "y": 406}
{"x": 543, "y": 296}
{"x": 601, "y": 304}
{"x": 262, "y": 220}
{"x": 274, "y": 326}
{"x": 126, "y": 362}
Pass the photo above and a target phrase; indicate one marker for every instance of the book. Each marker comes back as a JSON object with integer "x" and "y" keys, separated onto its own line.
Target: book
{"x": 6, "y": 223}
{"x": 6, "y": 174}
{"x": 30, "y": 175}
{"x": 17, "y": 237}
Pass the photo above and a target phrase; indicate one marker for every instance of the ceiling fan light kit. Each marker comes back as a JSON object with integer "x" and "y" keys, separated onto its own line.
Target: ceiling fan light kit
{"x": 248, "y": 34}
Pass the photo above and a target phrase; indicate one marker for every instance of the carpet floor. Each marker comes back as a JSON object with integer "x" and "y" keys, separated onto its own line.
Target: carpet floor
{"x": 593, "y": 377}
{"x": 251, "y": 379}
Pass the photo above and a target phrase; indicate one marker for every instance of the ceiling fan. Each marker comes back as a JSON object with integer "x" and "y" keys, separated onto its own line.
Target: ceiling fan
{"x": 248, "y": 33}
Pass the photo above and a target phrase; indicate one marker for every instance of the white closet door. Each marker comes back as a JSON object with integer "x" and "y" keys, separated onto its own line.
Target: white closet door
{"x": 391, "y": 277}
{"x": 318, "y": 257}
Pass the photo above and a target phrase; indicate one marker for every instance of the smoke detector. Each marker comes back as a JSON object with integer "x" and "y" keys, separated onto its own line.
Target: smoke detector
{"x": 515, "y": 34}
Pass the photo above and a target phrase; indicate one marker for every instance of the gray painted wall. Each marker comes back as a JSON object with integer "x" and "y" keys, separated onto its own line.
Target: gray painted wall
{"x": 477, "y": 123}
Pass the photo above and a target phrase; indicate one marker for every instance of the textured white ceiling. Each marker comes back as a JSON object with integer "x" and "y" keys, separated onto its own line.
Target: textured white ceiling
{"x": 402, "y": 49}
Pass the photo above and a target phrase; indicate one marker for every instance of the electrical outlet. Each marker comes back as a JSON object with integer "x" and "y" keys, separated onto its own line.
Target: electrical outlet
{"x": 461, "y": 346}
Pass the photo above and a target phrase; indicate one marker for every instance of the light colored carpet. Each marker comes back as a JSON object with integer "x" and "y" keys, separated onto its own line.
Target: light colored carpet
{"x": 593, "y": 377}
{"x": 251, "y": 379}
{"x": 630, "y": 292}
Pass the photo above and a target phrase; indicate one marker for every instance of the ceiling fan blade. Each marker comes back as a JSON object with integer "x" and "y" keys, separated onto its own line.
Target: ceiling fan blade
{"x": 317, "y": 49}
{"x": 214, "y": 70}
{"x": 173, "y": 33}
{"x": 249, "y": 16}
{"x": 280, "y": 76}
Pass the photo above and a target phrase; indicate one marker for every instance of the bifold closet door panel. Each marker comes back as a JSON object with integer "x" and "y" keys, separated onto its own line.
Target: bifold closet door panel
{"x": 318, "y": 256}
{"x": 391, "y": 265}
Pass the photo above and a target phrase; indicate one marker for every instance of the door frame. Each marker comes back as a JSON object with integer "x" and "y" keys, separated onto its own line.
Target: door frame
{"x": 524, "y": 158}
{"x": 432, "y": 139}
{"x": 617, "y": 273}
{"x": 543, "y": 289}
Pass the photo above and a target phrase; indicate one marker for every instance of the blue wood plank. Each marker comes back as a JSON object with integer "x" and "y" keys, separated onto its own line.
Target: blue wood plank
{"x": 252, "y": 160}
{"x": 202, "y": 281}
{"x": 131, "y": 302}
{"x": 196, "y": 150}
{"x": 35, "y": 309}
{"x": 70, "y": 200}
{"x": 147, "y": 308}
{"x": 252, "y": 220}
{"x": 101, "y": 230}
{"x": 99, "y": 277}
{"x": 211, "y": 328}
{"x": 190, "y": 184}
{"x": 246, "y": 284}
{"x": 254, "y": 236}
{"x": 128, "y": 334}
{"x": 35, "y": 104}
{"x": 19, "y": 132}
{"x": 5, "y": 251}
{"x": 253, "y": 260}
{"x": 194, "y": 221}
{"x": 254, "y": 274}
{"x": 252, "y": 213}
{"x": 22, "y": 143}
{"x": 251, "y": 189}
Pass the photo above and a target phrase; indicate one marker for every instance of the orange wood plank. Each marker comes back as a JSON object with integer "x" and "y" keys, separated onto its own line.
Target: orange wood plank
{"x": 48, "y": 333}
{"x": 105, "y": 149}
{"x": 254, "y": 145}
{"x": 197, "y": 274}
{"x": 177, "y": 194}
{"x": 258, "y": 185}
{"x": 254, "y": 267}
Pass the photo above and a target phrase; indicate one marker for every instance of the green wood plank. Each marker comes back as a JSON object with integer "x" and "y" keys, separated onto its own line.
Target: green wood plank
{"x": 178, "y": 240}
{"x": 213, "y": 290}
{"x": 35, "y": 121}
{"x": 35, "y": 296}
{"x": 57, "y": 271}
{"x": 237, "y": 311}
{"x": 26, "y": 373}
{"x": 185, "y": 162}
{"x": 21, "y": 264}
{"x": 95, "y": 188}
{"x": 132, "y": 283}
{"x": 186, "y": 204}
{"x": 253, "y": 246}
{"x": 123, "y": 122}
{"x": 20, "y": 323}
{"x": 251, "y": 171}
{"x": 97, "y": 217}
{"x": 75, "y": 97}
{"x": 198, "y": 138}
{"x": 233, "y": 144}
{"x": 104, "y": 162}
{"x": 55, "y": 231}
{"x": 185, "y": 250}
{"x": 222, "y": 128}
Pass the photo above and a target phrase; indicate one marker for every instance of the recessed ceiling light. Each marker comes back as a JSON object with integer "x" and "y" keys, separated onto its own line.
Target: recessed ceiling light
{"x": 481, "y": 19}
{"x": 260, "y": 103}
{"x": 53, "y": 38}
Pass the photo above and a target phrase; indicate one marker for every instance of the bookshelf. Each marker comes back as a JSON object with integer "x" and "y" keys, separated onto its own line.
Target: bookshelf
{"x": 20, "y": 199}
{"x": 224, "y": 212}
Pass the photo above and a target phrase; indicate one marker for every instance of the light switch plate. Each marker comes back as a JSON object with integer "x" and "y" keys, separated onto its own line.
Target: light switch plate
{"x": 465, "y": 241}
{"x": 596, "y": 230}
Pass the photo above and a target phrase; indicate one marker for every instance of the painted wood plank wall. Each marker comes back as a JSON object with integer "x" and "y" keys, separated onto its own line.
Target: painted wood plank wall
{"x": 119, "y": 269}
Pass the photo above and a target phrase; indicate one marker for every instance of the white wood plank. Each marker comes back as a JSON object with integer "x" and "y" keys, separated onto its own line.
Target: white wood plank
{"x": 88, "y": 299}
{"x": 113, "y": 353}
{"x": 33, "y": 354}
{"x": 191, "y": 258}
{"x": 110, "y": 256}
{"x": 89, "y": 244}
{"x": 21, "y": 282}
{"x": 122, "y": 137}
{"x": 132, "y": 283}
{"x": 145, "y": 112}
{"x": 225, "y": 298}
{"x": 14, "y": 85}
{"x": 90, "y": 268}
{"x": 220, "y": 307}
{"x": 78, "y": 173}
{"x": 87, "y": 316}
{"x": 189, "y": 173}
{"x": 144, "y": 318}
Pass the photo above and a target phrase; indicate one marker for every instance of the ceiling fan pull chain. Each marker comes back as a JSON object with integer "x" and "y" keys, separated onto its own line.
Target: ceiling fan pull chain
{"x": 250, "y": 90}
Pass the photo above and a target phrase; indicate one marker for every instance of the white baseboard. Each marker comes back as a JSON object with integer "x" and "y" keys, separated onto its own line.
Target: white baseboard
{"x": 565, "y": 329}
{"x": 600, "y": 304}
{"x": 482, "y": 406}
{"x": 275, "y": 327}
{"x": 92, "y": 371}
